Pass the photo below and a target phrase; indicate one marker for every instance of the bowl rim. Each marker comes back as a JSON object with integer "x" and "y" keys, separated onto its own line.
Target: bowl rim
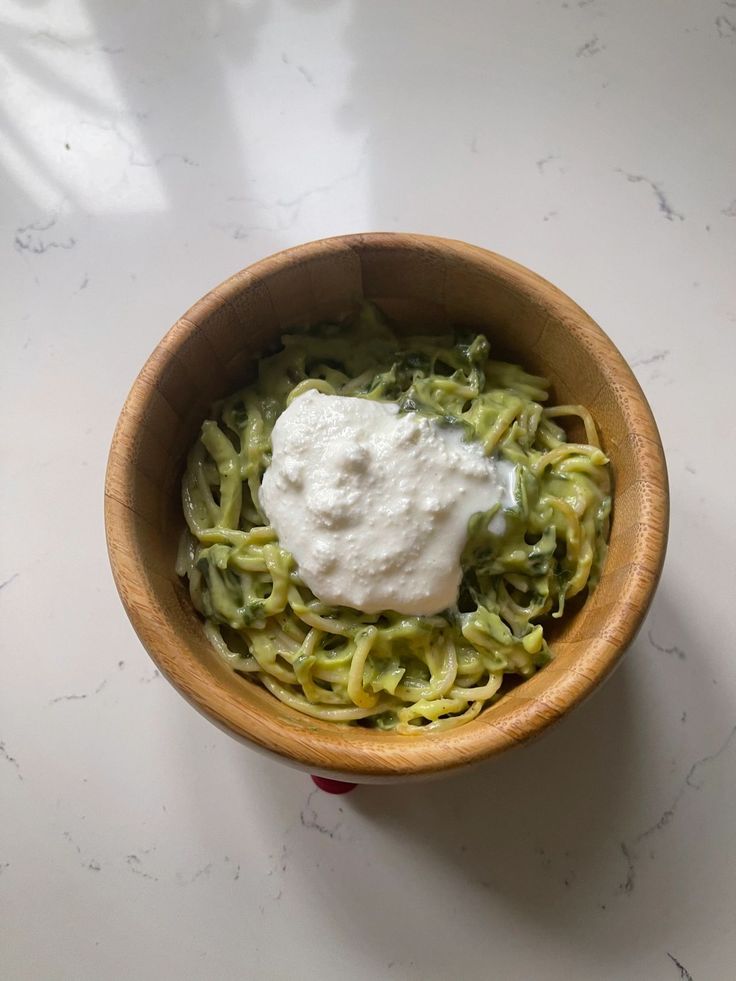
{"x": 383, "y": 758}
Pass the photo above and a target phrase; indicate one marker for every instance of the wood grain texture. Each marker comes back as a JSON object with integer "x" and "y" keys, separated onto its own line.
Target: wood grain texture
{"x": 419, "y": 282}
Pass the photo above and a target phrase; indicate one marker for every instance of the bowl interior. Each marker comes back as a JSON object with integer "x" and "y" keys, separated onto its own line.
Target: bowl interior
{"x": 421, "y": 284}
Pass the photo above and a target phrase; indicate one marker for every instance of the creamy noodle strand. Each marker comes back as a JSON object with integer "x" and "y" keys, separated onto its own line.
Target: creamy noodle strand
{"x": 409, "y": 674}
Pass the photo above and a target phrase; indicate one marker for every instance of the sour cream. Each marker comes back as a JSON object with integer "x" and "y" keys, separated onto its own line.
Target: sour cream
{"x": 374, "y": 505}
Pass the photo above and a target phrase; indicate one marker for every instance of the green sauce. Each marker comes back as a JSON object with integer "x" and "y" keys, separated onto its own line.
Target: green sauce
{"x": 390, "y": 671}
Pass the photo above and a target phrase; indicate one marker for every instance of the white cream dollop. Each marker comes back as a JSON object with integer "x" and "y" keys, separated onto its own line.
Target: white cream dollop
{"x": 374, "y": 505}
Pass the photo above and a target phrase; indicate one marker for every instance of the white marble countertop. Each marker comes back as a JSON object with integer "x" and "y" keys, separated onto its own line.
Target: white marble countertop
{"x": 148, "y": 150}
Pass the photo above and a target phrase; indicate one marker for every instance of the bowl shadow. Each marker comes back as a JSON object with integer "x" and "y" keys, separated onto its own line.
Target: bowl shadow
{"x": 566, "y": 832}
{"x": 522, "y": 824}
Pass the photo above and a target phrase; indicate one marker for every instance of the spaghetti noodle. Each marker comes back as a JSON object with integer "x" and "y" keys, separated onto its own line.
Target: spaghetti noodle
{"x": 387, "y": 670}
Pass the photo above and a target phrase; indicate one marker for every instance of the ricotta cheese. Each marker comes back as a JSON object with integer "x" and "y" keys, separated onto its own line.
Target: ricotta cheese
{"x": 374, "y": 504}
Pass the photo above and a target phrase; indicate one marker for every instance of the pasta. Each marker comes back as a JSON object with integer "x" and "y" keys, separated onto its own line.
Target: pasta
{"x": 409, "y": 674}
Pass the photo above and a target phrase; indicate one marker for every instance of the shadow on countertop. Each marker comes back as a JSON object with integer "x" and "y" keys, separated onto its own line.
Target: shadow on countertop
{"x": 567, "y": 830}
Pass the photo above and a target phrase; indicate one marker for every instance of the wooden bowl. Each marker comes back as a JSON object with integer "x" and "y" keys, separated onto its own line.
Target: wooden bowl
{"x": 420, "y": 283}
